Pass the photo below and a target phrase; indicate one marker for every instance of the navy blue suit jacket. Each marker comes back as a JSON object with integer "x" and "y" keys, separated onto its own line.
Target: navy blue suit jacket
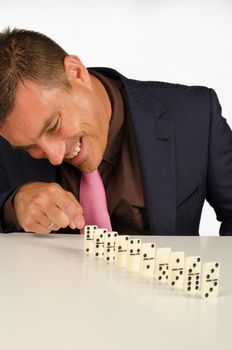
{"x": 185, "y": 150}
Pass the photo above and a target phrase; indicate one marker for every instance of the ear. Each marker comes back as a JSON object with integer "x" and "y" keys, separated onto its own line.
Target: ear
{"x": 76, "y": 71}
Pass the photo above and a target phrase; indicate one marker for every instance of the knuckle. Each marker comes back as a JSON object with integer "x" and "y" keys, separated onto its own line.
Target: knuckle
{"x": 52, "y": 188}
{"x": 39, "y": 199}
{"x": 64, "y": 223}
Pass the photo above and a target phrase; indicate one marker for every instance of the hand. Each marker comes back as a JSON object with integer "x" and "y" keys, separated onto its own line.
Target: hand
{"x": 44, "y": 207}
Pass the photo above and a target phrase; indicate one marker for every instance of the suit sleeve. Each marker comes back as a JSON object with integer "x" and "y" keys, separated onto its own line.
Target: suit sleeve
{"x": 219, "y": 174}
{"x": 8, "y": 220}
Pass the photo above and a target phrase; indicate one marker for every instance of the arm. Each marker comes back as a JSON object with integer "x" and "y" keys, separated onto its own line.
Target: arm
{"x": 219, "y": 178}
{"x": 28, "y": 187}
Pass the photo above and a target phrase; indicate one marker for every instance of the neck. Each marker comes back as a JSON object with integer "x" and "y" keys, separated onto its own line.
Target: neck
{"x": 102, "y": 94}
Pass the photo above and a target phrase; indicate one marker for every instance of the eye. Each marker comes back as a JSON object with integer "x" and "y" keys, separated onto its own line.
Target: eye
{"x": 55, "y": 126}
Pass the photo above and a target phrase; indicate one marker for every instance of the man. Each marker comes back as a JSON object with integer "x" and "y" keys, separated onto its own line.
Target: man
{"x": 161, "y": 148}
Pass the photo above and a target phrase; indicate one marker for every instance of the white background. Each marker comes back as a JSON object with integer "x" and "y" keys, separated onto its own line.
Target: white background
{"x": 184, "y": 41}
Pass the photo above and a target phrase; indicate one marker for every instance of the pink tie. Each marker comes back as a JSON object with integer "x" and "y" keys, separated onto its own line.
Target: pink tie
{"x": 93, "y": 200}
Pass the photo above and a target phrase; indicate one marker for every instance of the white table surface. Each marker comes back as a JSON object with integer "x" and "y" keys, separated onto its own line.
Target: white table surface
{"x": 52, "y": 296}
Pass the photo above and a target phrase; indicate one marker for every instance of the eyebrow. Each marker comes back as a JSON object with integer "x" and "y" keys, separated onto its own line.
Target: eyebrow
{"x": 47, "y": 123}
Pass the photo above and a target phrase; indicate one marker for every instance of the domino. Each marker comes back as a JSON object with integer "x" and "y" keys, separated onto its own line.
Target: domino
{"x": 147, "y": 259}
{"x": 133, "y": 254}
{"x": 98, "y": 245}
{"x": 89, "y": 238}
{"x": 192, "y": 274}
{"x": 121, "y": 250}
{"x": 210, "y": 280}
{"x": 109, "y": 246}
{"x": 176, "y": 270}
{"x": 162, "y": 264}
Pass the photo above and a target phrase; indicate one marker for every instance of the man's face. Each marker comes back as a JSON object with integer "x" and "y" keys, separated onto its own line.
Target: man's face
{"x": 60, "y": 125}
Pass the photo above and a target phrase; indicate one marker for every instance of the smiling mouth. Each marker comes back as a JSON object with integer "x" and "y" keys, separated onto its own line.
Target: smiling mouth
{"x": 75, "y": 151}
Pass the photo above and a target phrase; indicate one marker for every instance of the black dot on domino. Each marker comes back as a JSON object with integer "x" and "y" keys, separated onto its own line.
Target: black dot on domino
{"x": 148, "y": 266}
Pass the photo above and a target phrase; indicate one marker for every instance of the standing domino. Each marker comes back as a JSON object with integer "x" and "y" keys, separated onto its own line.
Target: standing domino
{"x": 109, "y": 246}
{"x": 147, "y": 259}
{"x": 121, "y": 250}
{"x": 133, "y": 254}
{"x": 99, "y": 239}
{"x": 210, "y": 280}
{"x": 162, "y": 264}
{"x": 89, "y": 238}
{"x": 176, "y": 270}
{"x": 192, "y": 274}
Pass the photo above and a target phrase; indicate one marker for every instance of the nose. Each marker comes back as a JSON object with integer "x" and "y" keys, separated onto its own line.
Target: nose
{"x": 54, "y": 150}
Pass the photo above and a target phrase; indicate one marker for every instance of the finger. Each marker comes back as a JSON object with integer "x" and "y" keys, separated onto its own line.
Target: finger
{"x": 57, "y": 216}
{"x": 78, "y": 220}
{"x": 37, "y": 220}
{"x": 37, "y": 228}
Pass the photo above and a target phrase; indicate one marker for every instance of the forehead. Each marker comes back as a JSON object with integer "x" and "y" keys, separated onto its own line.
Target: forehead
{"x": 33, "y": 106}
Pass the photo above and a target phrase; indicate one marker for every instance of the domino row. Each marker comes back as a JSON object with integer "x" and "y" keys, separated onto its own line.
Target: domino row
{"x": 179, "y": 272}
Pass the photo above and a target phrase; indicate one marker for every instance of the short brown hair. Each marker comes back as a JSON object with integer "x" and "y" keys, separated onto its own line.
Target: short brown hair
{"x": 26, "y": 54}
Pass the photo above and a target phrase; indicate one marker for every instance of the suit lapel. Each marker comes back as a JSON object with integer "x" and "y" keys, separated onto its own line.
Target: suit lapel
{"x": 155, "y": 142}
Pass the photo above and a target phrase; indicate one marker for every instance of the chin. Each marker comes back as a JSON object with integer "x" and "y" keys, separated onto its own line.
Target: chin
{"x": 89, "y": 167}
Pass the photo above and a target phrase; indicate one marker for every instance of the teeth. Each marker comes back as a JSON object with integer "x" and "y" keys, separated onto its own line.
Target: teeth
{"x": 75, "y": 152}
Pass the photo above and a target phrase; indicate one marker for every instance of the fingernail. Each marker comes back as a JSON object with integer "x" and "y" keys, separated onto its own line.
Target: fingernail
{"x": 72, "y": 225}
{"x": 79, "y": 221}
